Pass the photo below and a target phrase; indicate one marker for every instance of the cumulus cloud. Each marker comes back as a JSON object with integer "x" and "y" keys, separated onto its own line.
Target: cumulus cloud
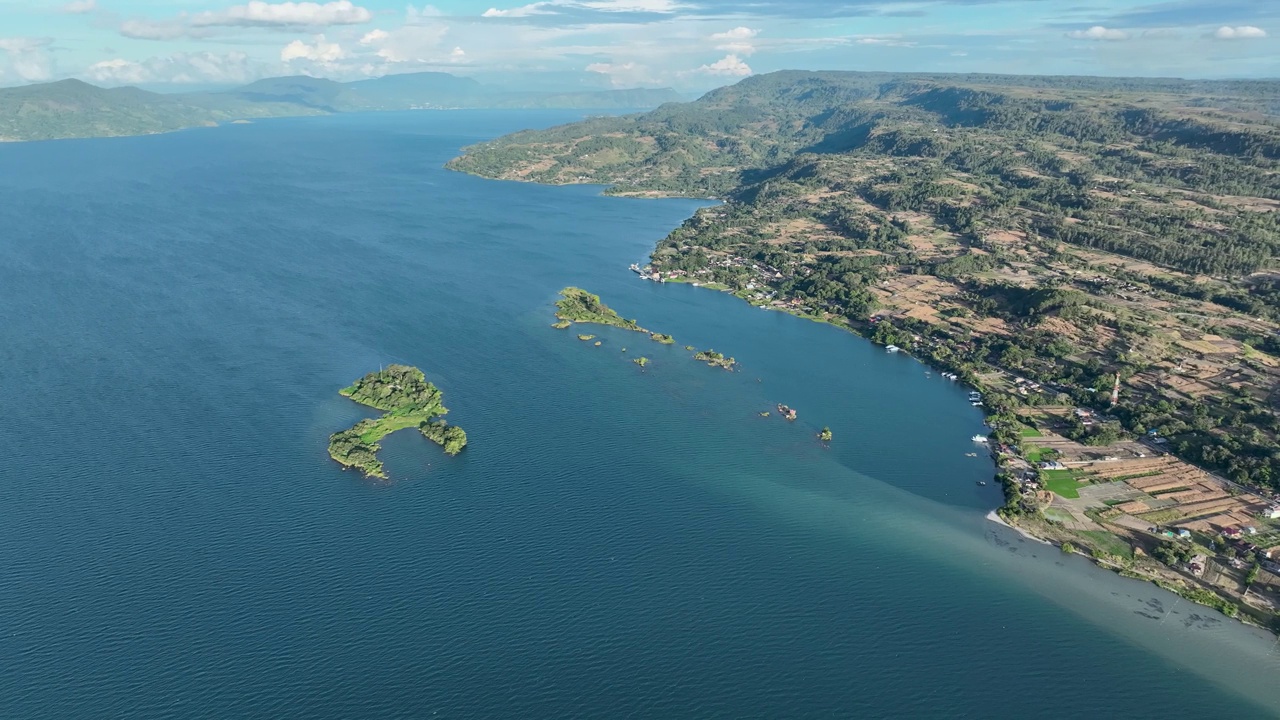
{"x": 1242, "y": 32}
{"x": 410, "y": 43}
{"x": 28, "y": 57}
{"x": 1098, "y": 32}
{"x": 79, "y": 7}
{"x": 729, "y": 65}
{"x": 737, "y": 40}
{"x": 287, "y": 14}
{"x": 180, "y": 68}
{"x": 319, "y": 51}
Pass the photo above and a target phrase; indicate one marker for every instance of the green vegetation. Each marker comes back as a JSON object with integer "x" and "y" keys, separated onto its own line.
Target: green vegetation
{"x": 585, "y": 338}
{"x": 561, "y": 324}
{"x": 578, "y": 305}
{"x": 450, "y": 437}
{"x": 1061, "y": 482}
{"x": 407, "y": 400}
{"x": 825, "y": 435}
{"x": 664, "y": 339}
{"x": 1067, "y": 547}
{"x": 1106, "y": 545}
{"x": 1136, "y": 215}
{"x": 71, "y": 108}
{"x": 715, "y": 359}
{"x": 1203, "y": 597}
{"x": 1251, "y": 576}
{"x": 641, "y": 361}
{"x": 1029, "y": 432}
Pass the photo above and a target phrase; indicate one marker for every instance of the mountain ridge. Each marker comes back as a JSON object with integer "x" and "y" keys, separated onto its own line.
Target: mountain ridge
{"x": 74, "y": 108}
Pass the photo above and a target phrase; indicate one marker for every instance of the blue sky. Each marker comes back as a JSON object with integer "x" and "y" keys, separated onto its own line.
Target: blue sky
{"x": 688, "y": 44}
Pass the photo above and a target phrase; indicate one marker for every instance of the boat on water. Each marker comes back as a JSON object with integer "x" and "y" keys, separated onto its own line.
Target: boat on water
{"x": 786, "y": 412}
{"x": 892, "y": 348}
{"x": 982, "y": 482}
{"x": 979, "y": 438}
{"x": 635, "y": 268}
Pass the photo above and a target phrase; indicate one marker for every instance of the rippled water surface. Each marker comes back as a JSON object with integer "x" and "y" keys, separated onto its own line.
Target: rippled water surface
{"x": 179, "y": 312}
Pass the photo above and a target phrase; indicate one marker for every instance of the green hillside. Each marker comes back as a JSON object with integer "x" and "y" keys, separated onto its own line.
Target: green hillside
{"x": 1055, "y": 230}
{"x": 71, "y": 108}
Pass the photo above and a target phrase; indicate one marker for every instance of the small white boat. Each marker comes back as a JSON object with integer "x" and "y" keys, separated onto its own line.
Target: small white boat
{"x": 892, "y": 348}
{"x": 979, "y": 438}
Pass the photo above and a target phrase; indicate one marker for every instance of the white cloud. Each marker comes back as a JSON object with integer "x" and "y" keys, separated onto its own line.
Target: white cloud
{"x": 413, "y": 15}
{"x": 548, "y": 7}
{"x": 180, "y": 68}
{"x": 457, "y": 54}
{"x": 538, "y": 8}
{"x": 320, "y": 51}
{"x": 624, "y": 75}
{"x": 653, "y": 6}
{"x": 410, "y": 43}
{"x": 28, "y": 57}
{"x": 729, "y": 65}
{"x": 885, "y": 40}
{"x": 1243, "y": 32}
{"x": 287, "y": 14}
{"x": 80, "y": 7}
{"x": 152, "y": 29}
{"x": 738, "y": 33}
{"x": 1097, "y": 32}
{"x": 254, "y": 14}
{"x": 737, "y": 40}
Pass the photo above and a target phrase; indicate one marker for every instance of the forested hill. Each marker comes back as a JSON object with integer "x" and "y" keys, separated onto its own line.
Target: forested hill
{"x": 71, "y": 108}
{"x": 1059, "y": 228}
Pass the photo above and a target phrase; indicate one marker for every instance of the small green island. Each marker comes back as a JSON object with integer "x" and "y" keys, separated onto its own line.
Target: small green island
{"x": 825, "y": 435}
{"x": 715, "y": 359}
{"x": 579, "y": 306}
{"x": 408, "y": 400}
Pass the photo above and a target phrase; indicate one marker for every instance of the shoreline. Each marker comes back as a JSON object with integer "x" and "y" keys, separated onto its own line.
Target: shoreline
{"x": 1204, "y": 594}
{"x": 1244, "y": 611}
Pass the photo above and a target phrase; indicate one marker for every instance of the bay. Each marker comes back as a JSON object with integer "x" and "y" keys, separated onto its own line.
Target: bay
{"x": 180, "y": 310}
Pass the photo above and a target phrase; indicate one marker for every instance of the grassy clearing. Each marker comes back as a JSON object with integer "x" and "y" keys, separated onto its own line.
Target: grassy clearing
{"x": 1062, "y": 482}
{"x": 1057, "y": 515}
{"x": 1029, "y": 432}
{"x": 1106, "y": 543}
{"x": 390, "y": 423}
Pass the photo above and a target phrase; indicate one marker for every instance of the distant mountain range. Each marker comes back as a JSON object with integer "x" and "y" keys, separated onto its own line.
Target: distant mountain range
{"x": 72, "y": 108}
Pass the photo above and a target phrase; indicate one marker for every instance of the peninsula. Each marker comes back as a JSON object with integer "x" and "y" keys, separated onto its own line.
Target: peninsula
{"x": 407, "y": 400}
{"x": 1094, "y": 256}
{"x": 579, "y": 306}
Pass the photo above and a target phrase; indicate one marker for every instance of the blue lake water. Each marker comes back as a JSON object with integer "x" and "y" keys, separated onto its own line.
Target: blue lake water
{"x": 180, "y": 310}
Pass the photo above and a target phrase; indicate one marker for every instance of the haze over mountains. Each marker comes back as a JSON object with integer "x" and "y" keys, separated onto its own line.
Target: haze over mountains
{"x": 72, "y": 108}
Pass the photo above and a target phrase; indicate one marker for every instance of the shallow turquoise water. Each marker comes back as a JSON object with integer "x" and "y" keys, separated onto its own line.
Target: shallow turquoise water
{"x": 179, "y": 312}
